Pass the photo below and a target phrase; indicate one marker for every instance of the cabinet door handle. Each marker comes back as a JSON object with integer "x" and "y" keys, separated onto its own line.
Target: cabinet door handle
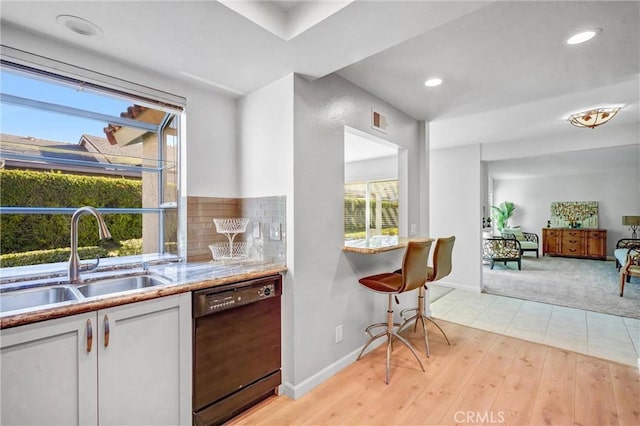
{"x": 106, "y": 331}
{"x": 89, "y": 336}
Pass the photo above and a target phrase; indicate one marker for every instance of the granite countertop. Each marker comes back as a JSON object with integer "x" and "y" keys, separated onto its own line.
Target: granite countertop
{"x": 378, "y": 245}
{"x": 183, "y": 277}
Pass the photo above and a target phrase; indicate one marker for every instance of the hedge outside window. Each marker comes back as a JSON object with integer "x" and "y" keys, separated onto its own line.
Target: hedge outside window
{"x": 374, "y": 203}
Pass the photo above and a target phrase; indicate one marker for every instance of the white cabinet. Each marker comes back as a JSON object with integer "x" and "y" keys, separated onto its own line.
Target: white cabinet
{"x": 47, "y": 374}
{"x": 144, "y": 369}
{"x": 138, "y": 370}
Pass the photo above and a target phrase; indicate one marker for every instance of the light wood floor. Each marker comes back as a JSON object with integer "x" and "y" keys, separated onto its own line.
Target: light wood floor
{"x": 482, "y": 378}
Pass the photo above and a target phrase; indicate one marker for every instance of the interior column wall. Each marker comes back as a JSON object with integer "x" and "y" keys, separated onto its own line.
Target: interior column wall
{"x": 327, "y": 293}
{"x": 455, "y": 189}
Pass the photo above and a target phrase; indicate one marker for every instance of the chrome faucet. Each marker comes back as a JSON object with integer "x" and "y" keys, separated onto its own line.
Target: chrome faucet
{"x": 74, "y": 261}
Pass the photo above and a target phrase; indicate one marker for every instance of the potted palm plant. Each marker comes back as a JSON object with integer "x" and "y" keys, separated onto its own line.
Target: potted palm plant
{"x": 501, "y": 213}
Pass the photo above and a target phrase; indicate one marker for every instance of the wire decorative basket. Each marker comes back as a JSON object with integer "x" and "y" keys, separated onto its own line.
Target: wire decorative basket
{"x": 234, "y": 225}
{"x": 229, "y": 251}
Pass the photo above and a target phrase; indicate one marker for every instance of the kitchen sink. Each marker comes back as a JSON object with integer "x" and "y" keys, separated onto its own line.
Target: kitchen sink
{"x": 120, "y": 284}
{"x": 23, "y": 299}
{"x": 44, "y": 296}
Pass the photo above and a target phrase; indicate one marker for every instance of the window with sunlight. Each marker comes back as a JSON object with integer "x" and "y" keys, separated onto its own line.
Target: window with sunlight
{"x": 67, "y": 143}
{"x": 370, "y": 209}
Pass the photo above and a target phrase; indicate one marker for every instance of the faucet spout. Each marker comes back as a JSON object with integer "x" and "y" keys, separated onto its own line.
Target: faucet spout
{"x": 103, "y": 231}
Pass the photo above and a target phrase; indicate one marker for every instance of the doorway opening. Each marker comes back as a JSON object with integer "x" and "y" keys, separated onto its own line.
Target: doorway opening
{"x": 373, "y": 189}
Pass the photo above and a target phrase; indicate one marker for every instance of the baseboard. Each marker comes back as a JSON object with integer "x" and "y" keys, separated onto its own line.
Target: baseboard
{"x": 296, "y": 391}
{"x": 458, "y": 286}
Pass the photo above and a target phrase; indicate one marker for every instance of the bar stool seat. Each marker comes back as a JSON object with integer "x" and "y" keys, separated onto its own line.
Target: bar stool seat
{"x": 414, "y": 267}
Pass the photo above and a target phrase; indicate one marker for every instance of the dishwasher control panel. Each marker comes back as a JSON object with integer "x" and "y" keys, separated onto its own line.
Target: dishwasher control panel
{"x": 219, "y": 299}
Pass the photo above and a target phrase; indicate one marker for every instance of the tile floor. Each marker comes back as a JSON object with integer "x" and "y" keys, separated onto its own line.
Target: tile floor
{"x": 605, "y": 336}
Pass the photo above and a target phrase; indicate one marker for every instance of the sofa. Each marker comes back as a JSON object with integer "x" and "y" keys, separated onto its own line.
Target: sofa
{"x": 528, "y": 241}
{"x": 501, "y": 250}
{"x": 622, "y": 249}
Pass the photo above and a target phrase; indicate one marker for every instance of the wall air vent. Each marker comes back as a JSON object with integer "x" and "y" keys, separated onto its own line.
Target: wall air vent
{"x": 379, "y": 121}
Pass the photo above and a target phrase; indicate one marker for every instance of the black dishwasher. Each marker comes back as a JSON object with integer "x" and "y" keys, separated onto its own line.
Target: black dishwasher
{"x": 236, "y": 348}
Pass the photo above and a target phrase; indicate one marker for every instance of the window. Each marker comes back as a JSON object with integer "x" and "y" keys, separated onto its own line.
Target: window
{"x": 370, "y": 209}
{"x": 66, "y": 143}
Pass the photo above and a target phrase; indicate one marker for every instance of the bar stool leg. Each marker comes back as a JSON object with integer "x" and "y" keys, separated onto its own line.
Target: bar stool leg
{"x": 390, "y": 333}
{"x": 420, "y": 315}
{"x": 427, "y": 309}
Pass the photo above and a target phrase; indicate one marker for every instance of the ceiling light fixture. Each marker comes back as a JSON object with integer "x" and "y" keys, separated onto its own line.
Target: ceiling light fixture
{"x": 583, "y": 36}
{"x": 433, "y": 82}
{"x": 593, "y": 117}
{"x": 79, "y": 25}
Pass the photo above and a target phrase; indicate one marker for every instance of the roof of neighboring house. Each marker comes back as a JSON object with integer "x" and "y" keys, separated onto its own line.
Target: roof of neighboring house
{"x": 34, "y": 153}
{"x": 28, "y": 145}
{"x": 103, "y": 146}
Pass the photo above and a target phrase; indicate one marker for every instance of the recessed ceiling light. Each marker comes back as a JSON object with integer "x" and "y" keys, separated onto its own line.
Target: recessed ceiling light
{"x": 433, "y": 82}
{"x": 79, "y": 25}
{"x": 583, "y": 36}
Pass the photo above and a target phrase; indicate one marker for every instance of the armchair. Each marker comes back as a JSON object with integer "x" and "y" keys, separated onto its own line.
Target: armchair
{"x": 501, "y": 250}
{"x": 630, "y": 269}
{"x": 528, "y": 241}
{"x": 623, "y": 247}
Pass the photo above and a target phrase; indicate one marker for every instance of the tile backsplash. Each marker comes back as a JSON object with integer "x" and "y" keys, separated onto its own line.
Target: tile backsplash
{"x": 265, "y": 234}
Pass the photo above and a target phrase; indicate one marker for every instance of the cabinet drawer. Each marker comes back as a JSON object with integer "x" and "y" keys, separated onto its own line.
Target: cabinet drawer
{"x": 596, "y": 234}
{"x": 567, "y": 244}
{"x": 567, "y": 240}
{"x": 551, "y": 233}
{"x": 572, "y": 234}
{"x": 574, "y": 251}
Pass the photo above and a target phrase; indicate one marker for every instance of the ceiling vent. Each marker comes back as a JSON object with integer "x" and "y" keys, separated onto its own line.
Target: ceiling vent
{"x": 379, "y": 121}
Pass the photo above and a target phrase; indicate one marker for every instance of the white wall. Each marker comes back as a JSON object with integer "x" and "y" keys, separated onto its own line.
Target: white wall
{"x": 211, "y": 147}
{"x": 325, "y": 289}
{"x": 617, "y": 195}
{"x": 211, "y": 116}
{"x": 455, "y": 184}
{"x": 265, "y": 136}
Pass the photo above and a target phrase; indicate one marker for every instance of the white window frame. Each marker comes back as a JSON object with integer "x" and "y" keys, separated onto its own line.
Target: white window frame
{"x": 30, "y": 63}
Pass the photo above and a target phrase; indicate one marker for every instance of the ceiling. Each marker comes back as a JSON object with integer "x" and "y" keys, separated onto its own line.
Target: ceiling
{"x": 619, "y": 159}
{"x": 501, "y": 62}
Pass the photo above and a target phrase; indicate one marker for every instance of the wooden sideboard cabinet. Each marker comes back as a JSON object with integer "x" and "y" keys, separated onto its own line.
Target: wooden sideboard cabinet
{"x": 589, "y": 243}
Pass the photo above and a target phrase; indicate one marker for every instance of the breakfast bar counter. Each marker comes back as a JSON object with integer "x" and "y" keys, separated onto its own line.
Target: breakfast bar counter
{"x": 378, "y": 244}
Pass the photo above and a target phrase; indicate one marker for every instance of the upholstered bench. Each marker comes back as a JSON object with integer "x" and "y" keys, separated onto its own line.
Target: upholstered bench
{"x": 622, "y": 249}
{"x": 501, "y": 250}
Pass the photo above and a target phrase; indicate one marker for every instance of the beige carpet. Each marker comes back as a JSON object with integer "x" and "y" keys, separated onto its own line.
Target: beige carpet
{"x": 591, "y": 285}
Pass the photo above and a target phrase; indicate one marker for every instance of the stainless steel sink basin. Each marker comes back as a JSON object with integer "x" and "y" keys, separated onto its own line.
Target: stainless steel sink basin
{"x": 120, "y": 284}
{"x": 38, "y": 296}
{"x": 23, "y": 299}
